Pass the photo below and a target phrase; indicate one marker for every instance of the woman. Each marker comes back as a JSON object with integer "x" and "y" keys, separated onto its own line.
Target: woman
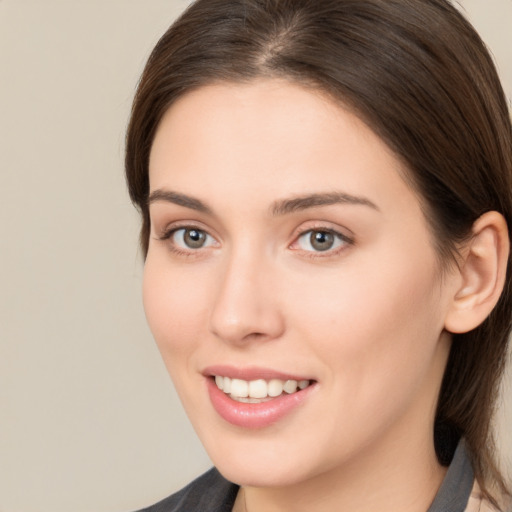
{"x": 325, "y": 190}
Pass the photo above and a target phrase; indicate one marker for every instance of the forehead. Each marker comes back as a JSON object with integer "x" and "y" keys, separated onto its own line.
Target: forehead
{"x": 273, "y": 138}
{"x": 266, "y": 112}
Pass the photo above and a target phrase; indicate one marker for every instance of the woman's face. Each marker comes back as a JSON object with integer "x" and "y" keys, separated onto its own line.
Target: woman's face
{"x": 286, "y": 250}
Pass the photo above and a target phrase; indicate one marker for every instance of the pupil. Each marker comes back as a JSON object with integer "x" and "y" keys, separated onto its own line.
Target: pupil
{"x": 322, "y": 240}
{"x": 194, "y": 238}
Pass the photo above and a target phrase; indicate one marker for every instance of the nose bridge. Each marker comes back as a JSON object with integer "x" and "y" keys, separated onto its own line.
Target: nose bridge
{"x": 245, "y": 306}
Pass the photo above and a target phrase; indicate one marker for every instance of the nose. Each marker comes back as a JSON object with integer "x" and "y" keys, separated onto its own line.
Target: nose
{"x": 246, "y": 305}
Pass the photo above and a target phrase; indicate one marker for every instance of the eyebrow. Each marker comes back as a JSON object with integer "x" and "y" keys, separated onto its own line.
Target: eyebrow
{"x": 278, "y": 208}
{"x": 180, "y": 199}
{"x": 316, "y": 200}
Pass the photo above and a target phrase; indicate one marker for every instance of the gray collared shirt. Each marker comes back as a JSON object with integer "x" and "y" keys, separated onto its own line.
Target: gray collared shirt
{"x": 453, "y": 495}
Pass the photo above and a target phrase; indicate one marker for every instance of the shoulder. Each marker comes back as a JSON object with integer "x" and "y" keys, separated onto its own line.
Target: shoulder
{"x": 211, "y": 492}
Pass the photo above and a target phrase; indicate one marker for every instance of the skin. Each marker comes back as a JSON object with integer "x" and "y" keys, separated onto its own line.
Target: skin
{"x": 365, "y": 320}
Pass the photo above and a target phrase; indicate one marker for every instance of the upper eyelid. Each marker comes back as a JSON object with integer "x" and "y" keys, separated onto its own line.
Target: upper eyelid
{"x": 331, "y": 227}
{"x": 171, "y": 227}
{"x": 336, "y": 233}
{"x": 324, "y": 230}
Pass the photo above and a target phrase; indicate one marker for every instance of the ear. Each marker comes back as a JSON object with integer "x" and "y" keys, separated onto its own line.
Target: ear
{"x": 482, "y": 274}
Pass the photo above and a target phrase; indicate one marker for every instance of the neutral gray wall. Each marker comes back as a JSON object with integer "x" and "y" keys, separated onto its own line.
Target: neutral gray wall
{"x": 88, "y": 418}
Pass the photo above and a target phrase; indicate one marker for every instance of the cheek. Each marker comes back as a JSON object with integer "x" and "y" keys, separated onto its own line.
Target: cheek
{"x": 376, "y": 335}
{"x": 174, "y": 303}
{"x": 374, "y": 319}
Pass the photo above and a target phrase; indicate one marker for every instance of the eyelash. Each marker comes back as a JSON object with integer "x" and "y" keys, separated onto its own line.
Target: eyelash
{"x": 342, "y": 240}
{"x": 190, "y": 252}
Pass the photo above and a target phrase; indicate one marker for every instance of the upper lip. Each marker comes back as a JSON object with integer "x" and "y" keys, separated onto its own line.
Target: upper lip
{"x": 250, "y": 373}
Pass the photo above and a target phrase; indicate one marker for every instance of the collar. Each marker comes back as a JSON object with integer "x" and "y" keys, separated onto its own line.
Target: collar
{"x": 453, "y": 495}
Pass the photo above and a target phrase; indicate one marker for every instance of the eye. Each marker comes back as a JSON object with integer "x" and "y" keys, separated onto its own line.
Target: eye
{"x": 191, "y": 238}
{"x": 321, "y": 240}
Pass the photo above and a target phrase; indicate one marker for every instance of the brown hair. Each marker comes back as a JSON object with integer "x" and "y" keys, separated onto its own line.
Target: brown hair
{"x": 420, "y": 76}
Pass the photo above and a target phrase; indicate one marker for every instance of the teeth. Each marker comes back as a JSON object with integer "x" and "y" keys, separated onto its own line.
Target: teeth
{"x": 255, "y": 391}
{"x": 240, "y": 388}
{"x": 275, "y": 387}
{"x": 290, "y": 386}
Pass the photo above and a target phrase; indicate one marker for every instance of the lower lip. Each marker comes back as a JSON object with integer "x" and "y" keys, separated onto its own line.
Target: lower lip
{"x": 258, "y": 415}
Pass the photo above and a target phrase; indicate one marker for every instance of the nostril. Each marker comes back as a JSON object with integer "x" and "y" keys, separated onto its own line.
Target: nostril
{"x": 255, "y": 335}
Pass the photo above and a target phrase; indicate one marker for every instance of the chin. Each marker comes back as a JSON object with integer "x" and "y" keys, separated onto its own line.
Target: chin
{"x": 264, "y": 458}
{"x": 260, "y": 473}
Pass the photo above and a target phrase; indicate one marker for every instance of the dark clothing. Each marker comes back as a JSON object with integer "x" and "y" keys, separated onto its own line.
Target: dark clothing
{"x": 453, "y": 495}
{"x": 213, "y": 493}
{"x": 210, "y": 492}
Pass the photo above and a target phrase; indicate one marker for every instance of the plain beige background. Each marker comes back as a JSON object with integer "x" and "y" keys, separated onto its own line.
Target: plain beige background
{"x": 89, "y": 420}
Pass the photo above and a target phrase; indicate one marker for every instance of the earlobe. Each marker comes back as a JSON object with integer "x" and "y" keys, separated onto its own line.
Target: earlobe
{"x": 482, "y": 274}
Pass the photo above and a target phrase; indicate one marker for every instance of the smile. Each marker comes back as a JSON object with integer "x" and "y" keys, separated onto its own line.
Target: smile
{"x": 260, "y": 390}
{"x": 256, "y": 397}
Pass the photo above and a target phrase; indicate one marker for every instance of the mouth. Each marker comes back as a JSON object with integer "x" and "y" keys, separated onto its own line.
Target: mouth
{"x": 256, "y": 397}
{"x": 259, "y": 390}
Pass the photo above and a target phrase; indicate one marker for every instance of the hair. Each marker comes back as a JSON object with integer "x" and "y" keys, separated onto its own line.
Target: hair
{"x": 421, "y": 78}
